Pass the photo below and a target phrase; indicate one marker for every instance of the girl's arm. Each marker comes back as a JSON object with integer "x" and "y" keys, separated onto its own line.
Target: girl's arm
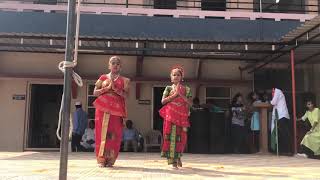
{"x": 188, "y": 97}
{"x": 317, "y": 122}
{"x": 166, "y": 97}
{"x": 122, "y": 92}
{"x": 304, "y": 117}
{"x": 98, "y": 90}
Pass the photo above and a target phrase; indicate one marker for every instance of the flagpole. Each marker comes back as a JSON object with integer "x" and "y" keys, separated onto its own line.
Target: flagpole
{"x": 67, "y": 90}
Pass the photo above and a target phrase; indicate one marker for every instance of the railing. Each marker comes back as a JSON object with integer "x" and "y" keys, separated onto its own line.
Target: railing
{"x": 284, "y": 6}
{"x": 232, "y": 9}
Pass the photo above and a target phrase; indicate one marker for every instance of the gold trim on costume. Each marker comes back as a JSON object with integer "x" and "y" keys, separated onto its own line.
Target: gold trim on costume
{"x": 105, "y": 83}
{"x": 126, "y": 84}
{"x": 104, "y": 131}
{"x": 98, "y": 84}
{"x": 126, "y": 88}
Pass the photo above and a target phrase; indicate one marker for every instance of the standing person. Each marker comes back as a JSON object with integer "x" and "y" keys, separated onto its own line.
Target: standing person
{"x": 310, "y": 144}
{"x": 80, "y": 122}
{"x": 112, "y": 90}
{"x": 175, "y": 113}
{"x": 284, "y": 133}
{"x": 238, "y": 129}
{"x": 255, "y": 119}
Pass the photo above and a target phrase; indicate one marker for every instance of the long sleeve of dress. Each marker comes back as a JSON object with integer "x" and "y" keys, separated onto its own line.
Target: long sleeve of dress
{"x": 188, "y": 92}
{"x": 305, "y": 116}
{"x": 166, "y": 92}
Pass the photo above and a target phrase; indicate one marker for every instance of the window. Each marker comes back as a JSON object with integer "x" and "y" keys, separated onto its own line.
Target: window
{"x": 213, "y": 5}
{"x": 219, "y": 96}
{"x": 165, "y": 4}
{"x": 90, "y": 100}
{"x": 46, "y": 2}
{"x": 284, "y": 6}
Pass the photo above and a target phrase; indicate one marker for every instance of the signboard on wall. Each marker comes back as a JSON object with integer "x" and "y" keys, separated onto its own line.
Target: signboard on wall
{"x": 144, "y": 102}
{"x": 19, "y": 97}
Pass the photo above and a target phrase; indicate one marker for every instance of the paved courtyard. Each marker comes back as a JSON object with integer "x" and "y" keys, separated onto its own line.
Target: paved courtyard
{"x": 45, "y": 165}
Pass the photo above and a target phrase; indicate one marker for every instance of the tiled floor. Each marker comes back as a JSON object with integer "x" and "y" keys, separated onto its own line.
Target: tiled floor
{"x": 45, "y": 165}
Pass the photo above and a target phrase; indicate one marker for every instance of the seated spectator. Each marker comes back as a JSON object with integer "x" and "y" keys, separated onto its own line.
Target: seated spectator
{"x": 130, "y": 137}
{"x": 212, "y": 107}
{"x": 88, "y": 140}
{"x": 196, "y": 104}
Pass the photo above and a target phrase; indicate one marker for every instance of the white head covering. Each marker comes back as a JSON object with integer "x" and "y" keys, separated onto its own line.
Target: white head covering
{"x": 78, "y": 103}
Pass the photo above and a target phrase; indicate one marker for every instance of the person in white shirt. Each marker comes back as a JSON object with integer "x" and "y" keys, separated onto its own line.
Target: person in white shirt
{"x": 284, "y": 132}
{"x": 88, "y": 142}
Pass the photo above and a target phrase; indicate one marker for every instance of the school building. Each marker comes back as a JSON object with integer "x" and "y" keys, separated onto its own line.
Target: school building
{"x": 225, "y": 47}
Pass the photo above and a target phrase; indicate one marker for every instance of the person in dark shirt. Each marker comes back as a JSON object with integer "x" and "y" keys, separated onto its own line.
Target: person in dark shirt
{"x": 80, "y": 122}
{"x": 238, "y": 130}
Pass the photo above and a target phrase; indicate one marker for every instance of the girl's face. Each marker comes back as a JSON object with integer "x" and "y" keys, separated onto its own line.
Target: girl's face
{"x": 114, "y": 65}
{"x": 310, "y": 105}
{"x": 176, "y": 76}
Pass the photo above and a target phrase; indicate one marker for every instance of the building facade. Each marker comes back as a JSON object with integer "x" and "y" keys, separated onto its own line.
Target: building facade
{"x": 217, "y": 42}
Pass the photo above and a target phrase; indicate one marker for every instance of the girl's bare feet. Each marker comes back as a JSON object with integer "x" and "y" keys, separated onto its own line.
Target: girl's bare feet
{"x": 109, "y": 165}
{"x": 101, "y": 165}
{"x": 179, "y": 163}
{"x": 175, "y": 165}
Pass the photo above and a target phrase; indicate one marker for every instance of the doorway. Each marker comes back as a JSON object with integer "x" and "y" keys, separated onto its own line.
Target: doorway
{"x": 157, "y": 96}
{"x": 45, "y": 100}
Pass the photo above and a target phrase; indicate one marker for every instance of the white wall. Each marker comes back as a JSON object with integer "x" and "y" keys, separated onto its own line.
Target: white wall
{"x": 160, "y": 67}
{"x": 30, "y": 63}
{"x": 95, "y": 65}
{"x": 12, "y": 115}
{"x": 140, "y": 114}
